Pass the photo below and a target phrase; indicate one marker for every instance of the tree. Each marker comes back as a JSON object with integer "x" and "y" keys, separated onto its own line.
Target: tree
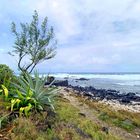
{"x": 33, "y": 44}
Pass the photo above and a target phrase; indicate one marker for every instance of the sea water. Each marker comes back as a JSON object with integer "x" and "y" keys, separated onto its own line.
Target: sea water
{"x": 124, "y": 82}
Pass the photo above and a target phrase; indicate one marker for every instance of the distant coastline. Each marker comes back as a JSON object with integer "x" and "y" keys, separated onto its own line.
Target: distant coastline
{"x": 123, "y": 82}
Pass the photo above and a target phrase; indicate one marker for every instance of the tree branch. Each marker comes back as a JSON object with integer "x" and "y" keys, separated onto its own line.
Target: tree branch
{"x": 29, "y": 66}
{"x": 19, "y": 62}
{"x": 33, "y": 67}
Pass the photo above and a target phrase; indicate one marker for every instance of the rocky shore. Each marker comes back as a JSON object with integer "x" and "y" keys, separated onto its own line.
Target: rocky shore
{"x": 131, "y": 101}
{"x": 102, "y": 94}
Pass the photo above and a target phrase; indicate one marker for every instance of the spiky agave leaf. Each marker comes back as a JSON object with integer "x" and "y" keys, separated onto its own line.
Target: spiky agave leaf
{"x": 32, "y": 90}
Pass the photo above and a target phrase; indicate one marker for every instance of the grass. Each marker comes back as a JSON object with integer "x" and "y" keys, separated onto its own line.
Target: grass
{"x": 67, "y": 124}
{"x": 120, "y": 118}
{"x": 125, "y": 124}
{"x": 70, "y": 115}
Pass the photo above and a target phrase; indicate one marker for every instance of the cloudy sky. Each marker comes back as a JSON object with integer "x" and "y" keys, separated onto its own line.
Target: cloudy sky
{"x": 93, "y": 35}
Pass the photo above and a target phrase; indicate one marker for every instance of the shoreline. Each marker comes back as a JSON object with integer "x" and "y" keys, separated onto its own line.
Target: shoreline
{"x": 129, "y": 101}
{"x": 108, "y": 94}
{"x": 122, "y": 82}
{"x": 133, "y": 107}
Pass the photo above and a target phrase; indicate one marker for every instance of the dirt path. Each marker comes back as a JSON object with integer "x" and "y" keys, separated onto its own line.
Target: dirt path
{"x": 83, "y": 108}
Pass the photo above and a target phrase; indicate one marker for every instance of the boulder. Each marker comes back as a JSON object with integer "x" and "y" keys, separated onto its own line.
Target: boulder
{"x": 50, "y": 79}
{"x": 105, "y": 129}
{"x": 130, "y": 94}
{"x": 125, "y": 100}
{"x": 82, "y": 114}
{"x": 63, "y": 83}
{"x": 83, "y": 79}
{"x": 112, "y": 90}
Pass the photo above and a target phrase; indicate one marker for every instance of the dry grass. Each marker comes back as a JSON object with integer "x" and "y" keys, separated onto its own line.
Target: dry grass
{"x": 24, "y": 128}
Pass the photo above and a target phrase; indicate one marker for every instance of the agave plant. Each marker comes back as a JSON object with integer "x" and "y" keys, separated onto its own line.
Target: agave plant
{"x": 31, "y": 94}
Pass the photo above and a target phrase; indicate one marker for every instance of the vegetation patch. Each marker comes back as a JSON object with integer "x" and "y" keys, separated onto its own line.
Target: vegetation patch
{"x": 121, "y": 118}
{"x": 125, "y": 124}
{"x": 64, "y": 123}
{"x": 82, "y": 126}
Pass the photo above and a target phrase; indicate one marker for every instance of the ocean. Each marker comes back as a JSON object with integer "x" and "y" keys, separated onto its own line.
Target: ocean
{"x": 124, "y": 82}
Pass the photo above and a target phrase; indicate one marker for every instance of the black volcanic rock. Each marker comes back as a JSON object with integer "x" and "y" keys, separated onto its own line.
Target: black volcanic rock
{"x": 131, "y": 94}
{"x": 112, "y": 90}
{"x": 125, "y": 100}
{"x": 50, "y": 79}
{"x": 109, "y": 94}
{"x": 99, "y": 94}
{"x": 90, "y": 89}
{"x": 105, "y": 129}
{"x": 83, "y": 79}
{"x": 63, "y": 83}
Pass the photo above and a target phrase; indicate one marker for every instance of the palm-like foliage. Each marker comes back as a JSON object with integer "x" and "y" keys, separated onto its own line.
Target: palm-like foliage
{"x": 32, "y": 94}
{"x": 27, "y": 95}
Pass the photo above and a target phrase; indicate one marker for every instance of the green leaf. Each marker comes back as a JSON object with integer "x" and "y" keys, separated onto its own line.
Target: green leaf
{"x": 20, "y": 95}
{"x": 13, "y": 102}
{"x": 21, "y": 111}
{"x": 27, "y": 109}
{"x": 5, "y": 91}
{"x": 29, "y": 93}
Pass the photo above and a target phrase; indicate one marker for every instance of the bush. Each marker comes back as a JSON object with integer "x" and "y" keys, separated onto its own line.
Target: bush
{"x": 6, "y": 74}
{"x": 29, "y": 94}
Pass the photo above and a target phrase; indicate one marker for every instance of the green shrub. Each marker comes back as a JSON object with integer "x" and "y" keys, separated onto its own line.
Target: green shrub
{"x": 6, "y": 74}
{"x": 29, "y": 94}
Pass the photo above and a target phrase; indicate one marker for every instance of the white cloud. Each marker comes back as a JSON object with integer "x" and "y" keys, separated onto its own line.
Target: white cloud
{"x": 92, "y": 34}
{"x": 62, "y": 13}
{"x": 1, "y": 50}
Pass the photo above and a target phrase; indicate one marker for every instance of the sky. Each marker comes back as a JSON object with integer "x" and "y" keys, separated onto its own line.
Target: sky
{"x": 92, "y": 35}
